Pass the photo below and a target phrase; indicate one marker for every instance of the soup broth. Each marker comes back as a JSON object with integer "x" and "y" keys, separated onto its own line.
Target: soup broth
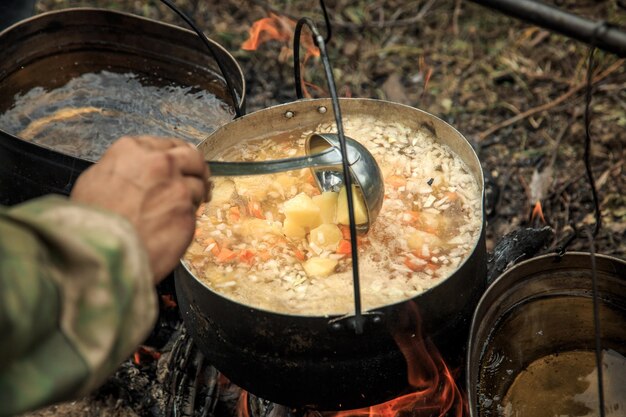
{"x": 274, "y": 242}
{"x": 83, "y": 117}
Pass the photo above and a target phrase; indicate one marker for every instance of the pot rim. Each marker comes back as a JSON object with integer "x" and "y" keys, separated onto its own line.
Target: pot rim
{"x": 327, "y": 101}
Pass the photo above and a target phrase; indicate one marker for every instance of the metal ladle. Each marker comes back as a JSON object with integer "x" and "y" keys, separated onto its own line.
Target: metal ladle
{"x": 323, "y": 156}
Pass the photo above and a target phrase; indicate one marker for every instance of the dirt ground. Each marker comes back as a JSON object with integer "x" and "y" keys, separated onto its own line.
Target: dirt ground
{"x": 514, "y": 90}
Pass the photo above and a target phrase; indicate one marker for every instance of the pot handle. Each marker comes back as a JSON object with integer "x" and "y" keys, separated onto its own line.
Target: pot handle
{"x": 357, "y": 322}
{"x": 231, "y": 89}
{"x": 296, "y": 49}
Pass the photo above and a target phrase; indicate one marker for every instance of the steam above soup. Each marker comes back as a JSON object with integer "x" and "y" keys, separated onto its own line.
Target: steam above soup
{"x": 275, "y": 242}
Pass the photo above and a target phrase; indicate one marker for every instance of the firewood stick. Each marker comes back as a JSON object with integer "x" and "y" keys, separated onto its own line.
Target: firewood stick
{"x": 516, "y": 246}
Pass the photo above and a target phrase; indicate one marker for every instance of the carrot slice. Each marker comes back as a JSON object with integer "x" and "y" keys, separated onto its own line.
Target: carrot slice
{"x": 215, "y": 250}
{"x": 265, "y": 255}
{"x": 225, "y": 255}
{"x": 412, "y": 265}
{"x": 234, "y": 214}
{"x": 299, "y": 255}
{"x": 344, "y": 247}
{"x": 246, "y": 256}
{"x": 255, "y": 210}
{"x": 433, "y": 267}
{"x": 396, "y": 181}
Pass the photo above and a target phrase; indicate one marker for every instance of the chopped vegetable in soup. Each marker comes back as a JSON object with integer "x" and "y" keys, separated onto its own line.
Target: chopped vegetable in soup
{"x": 275, "y": 242}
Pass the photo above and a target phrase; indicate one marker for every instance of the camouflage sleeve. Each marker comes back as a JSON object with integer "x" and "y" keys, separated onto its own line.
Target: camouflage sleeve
{"x": 76, "y": 297}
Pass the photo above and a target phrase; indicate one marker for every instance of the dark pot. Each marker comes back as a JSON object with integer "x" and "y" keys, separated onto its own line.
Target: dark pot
{"x": 301, "y": 360}
{"x": 52, "y": 48}
{"x": 538, "y": 309}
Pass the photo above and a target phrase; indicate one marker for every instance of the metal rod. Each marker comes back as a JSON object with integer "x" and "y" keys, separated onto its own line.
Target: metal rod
{"x": 229, "y": 85}
{"x": 596, "y": 325}
{"x": 319, "y": 42}
{"x": 611, "y": 39}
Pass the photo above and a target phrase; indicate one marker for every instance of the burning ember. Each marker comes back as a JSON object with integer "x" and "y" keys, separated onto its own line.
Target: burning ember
{"x": 537, "y": 214}
{"x": 281, "y": 29}
{"x": 144, "y": 352}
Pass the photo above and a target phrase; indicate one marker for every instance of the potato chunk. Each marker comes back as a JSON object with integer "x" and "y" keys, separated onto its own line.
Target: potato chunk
{"x": 285, "y": 184}
{"x": 293, "y": 230}
{"x": 252, "y": 187}
{"x": 326, "y": 236}
{"x": 223, "y": 191}
{"x": 327, "y": 202}
{"x": 302, "y": 211}
{"x": 417, "y": 239}
{"x": 432, "y": 222}
{"x": 360, "y": 212}
{"x": 252, "y": 228}
{"x": 320, "y": 267}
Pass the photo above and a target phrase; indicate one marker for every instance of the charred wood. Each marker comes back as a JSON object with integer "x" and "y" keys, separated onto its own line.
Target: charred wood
{"x": 516, "y": 246}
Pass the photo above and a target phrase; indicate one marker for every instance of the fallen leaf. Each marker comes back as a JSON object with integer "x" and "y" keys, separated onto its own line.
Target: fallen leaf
{"x": 394, "y": 90}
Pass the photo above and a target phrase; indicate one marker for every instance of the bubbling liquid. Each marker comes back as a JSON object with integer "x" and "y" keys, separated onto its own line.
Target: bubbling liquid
{"x": 274, "y": 242}
{"x": 85, "y": 116}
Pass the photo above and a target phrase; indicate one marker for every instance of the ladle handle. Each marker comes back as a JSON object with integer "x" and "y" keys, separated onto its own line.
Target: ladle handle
{"x": 325, "y": 159}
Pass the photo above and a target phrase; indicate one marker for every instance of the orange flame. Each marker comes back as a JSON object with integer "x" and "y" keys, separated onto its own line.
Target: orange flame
{"x": 281, "y": 29}
{"x": 242, "y": 405}
{"x": 435, "y": 390}
{"x": 537, "y": 213}
{"x": 274, "y": 27}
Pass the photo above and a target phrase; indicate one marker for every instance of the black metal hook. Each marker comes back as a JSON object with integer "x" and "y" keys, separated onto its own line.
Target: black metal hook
{"x": 316, "y": 39}
{"x": 600, "y": 28}
{"x": 205, "y": 40}
{"x": 327, "y": 22}
{"x": 358, "y": 322}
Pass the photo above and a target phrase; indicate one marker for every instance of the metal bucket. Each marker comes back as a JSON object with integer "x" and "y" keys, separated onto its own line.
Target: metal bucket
{"x": 298, "y": 360}
{"x": 535, "y": 315}
{"x": 53, "y": 48}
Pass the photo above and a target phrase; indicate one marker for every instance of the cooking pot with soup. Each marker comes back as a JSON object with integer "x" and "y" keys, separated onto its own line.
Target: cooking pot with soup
{"x": 266, "y": 286}
{"x": 74, "y": 80}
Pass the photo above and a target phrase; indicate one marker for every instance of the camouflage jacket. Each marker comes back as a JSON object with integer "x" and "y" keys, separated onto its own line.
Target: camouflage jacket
{"x": 76, "y": 298}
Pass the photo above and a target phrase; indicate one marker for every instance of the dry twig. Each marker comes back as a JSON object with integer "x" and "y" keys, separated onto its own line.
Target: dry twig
{"x": 547, "y": 106}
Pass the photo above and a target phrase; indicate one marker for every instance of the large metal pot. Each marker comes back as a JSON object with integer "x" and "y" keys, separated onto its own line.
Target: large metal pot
{"x": 52, "y": 48}
{"x": 300, "y": 360}
{"x": 536, "y": 309}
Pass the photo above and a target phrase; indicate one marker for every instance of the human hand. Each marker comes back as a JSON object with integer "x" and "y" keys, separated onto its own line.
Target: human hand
{"x": 155, "y": 183}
